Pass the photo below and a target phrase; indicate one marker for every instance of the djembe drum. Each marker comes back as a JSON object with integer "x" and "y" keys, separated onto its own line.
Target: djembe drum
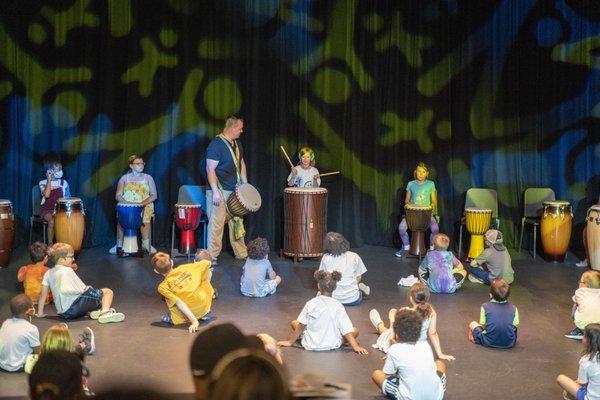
{"x": 477, "y": 221}
{"x": 244, "y": 200}
{"x": 305, "y": 221}
{"x": 187, "y": 218}
{"x": 69, "y": 222}
{"x": 418, "y": 219}
{"x": 7, "y": 232}
{"x": 130, "y": 218}
{"x": 593, "y": 236}
{"x": 555, "y": 229}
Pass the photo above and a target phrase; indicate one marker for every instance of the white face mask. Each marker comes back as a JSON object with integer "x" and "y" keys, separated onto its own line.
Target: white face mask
{"x": 58, "y": 174}
{"x": 138, "y": 169}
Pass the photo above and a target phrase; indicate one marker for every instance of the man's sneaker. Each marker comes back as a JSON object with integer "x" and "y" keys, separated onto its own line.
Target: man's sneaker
{"x": 375, "y": 318}
{"x": 111, "y": 316}
{"x": 576, "y": 334}
{"x": 364, "y": 288}
{"x": 474, "y": 279}
{"x": 582, "y": 264}
{"x": 88, "y": 341}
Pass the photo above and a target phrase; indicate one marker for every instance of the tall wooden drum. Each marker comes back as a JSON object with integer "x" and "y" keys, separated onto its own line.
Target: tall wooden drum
{"x": 305, "y": 221}
{"x": 7, "y": 232}
{"x": 69, "y": 222}
{"x": 593, "y": 236}
{"x": 555, "y": 229}
{"x": 418, "y": 219}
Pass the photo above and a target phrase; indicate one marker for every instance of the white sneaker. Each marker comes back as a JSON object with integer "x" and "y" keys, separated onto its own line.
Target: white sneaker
{"x": 582, "y": 264}
{"x": 364, "y": 288}
{"x": 113, "y": 250}
{"x": 111, "y": 316}
{"x": 375, "y": 318}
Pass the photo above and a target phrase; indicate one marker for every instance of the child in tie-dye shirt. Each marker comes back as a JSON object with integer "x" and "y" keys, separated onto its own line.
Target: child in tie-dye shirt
{"x": 440, "y": 270}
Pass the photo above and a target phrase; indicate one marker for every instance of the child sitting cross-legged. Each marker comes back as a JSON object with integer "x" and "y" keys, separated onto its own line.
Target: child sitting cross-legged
{"x": 587, "y": 385}
{"x": 410, "y": 371}
{"x": 323, "y": 322}
{"x": 254, "y": 282}
{"x": 586, "y": 303}
{"x": 440, "y": 270}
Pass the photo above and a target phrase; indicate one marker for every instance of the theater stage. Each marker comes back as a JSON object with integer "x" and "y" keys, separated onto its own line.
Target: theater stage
{"x": 138, "y": 352}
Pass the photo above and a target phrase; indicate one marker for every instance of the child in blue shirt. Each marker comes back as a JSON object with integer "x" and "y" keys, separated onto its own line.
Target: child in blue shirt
{"x": 440, "y": 270}
{"x": 258, "y": 277}
{"x": 498, "y": 319}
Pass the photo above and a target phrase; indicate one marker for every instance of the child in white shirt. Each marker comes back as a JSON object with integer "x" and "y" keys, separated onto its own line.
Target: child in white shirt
{"x": 18, "y": 337}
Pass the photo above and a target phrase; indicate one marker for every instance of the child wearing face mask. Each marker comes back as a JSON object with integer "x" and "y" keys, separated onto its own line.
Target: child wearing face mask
{"x": 139, "y": 188}
{"x": 186, "y": 289}
{"x": 52, "y": 188}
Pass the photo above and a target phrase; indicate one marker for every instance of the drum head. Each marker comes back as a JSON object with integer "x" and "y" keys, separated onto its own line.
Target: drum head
{"x": 595, "y": 207}
{"x": 478, "y": 210}
{"x": 188, "y": 206}
{"x": 129, "y": 205}
{"x": 4, "y": 202}
{"x": 69, "y": 200}
{"x": 249, "y": 196}
{"x": 313, "y": 190}
{"x": 556, "y": 203}
{"x": 417, "y": 207}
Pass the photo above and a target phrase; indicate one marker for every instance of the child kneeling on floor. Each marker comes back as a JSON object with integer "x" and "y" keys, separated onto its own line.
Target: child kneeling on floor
{"x": 410, "y": 371}
{"x": 440, "y": 270}
{"x": 498, "y": 319}
{"x": 186, "y": 289}
{"x": 72, "y": 297}
{"x": 323, "y": 322}
{"x": 254, "y": 282}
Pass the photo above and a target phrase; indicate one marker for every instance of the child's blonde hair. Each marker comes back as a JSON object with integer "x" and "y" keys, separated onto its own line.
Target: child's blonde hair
{"x": 441, "y": 242}
{"x": 58, "y": 251}
{"x": 591, "y": 279}
{"x": 57, "y": 337}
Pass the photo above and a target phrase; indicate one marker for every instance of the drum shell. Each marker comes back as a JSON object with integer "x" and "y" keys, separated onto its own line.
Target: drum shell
{"x": 593, "y": 237}
{"x": 237, "y": 206}
{"x": 418, "y": 219}
{"x": 555, "y": 230}
{"x": 187, "y": 217}
{"x": 130, "y": 216}
{"x": 7, "y": 233}
{"x": 478, "y": 222}
{"x": 305, "y": 222}
{"x": 69, "y": 223}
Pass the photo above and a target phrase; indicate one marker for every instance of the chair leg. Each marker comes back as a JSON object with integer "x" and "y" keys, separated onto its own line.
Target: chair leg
{"x": 534, "y": 240}
{"x": 205, "y": 235}
{"x": 521, "y": 235}
{"x": 460, "y": 241}
{"x": 30, "y": 230}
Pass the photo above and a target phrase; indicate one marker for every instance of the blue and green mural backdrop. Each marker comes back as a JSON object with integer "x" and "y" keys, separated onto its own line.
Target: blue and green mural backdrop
{"x": 500, "y": 94}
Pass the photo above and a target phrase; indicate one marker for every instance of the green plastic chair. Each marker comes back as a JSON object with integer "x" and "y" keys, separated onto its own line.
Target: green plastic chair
{"x": 533, "y": 200}
{"x": 479, "y": 198}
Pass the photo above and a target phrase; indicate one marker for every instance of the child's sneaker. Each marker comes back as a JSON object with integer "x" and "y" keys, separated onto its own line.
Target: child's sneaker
{"x": 375, "y": 318}
{"x": 111, "y": 316}
{"x": 166, "y": 318}
{"x": 399, "y": 253}
{"x": 576, "y": 334}
{"x": 582, "y": 264}
{"x": 364, "y": 288}
{"x": 474, "y": 279}
{"x": 207, "y": 317}
{"x": 88, "y": 341}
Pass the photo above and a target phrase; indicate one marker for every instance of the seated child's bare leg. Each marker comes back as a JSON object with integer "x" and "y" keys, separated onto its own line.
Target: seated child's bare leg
{"x": 568, "y": 384}
{"x": 277, "y": 280}
{"x": 378, "y": 377}
{"x": 392, "y": 316}
{"x": 381, "y": 328}
{"x": 50, "y": 220}
{"x": 107, "y": 298}
{"x": 473, "y": 325}
{"x": 294, "y": 324}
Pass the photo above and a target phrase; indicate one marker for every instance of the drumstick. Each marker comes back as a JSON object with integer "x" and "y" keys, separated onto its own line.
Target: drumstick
{"x": 286, "y": 156}
{"x": 329, "y": 173}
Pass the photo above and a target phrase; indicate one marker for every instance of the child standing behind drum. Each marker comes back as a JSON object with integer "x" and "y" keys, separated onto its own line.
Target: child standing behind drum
{"x": 337, "y": 257}
{"x": 305, "y": 174}
{"x": 440, "y": 270}
{"x": 52, "y": 188}
{"x": 256, "y": 269}
{"x": 493, "y": 263}
{"x": 420, "y": 192}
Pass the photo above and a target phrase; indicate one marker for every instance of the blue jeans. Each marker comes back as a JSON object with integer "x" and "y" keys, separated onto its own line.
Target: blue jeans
{"x": 481, "y": 274}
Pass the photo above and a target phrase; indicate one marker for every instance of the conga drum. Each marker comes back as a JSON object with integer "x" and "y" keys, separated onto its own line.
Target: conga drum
{"x": 555, "y": 228}
{"x": 130, "y": 218}
{"x": 477, "y": 221}
{"x": 69, "y": 222}
{"x": 7, "y": 231}
{"x": 187, "y": 218}
{"x": 305, "y": 221}
{"x": 593, "y": 236}
{"x": 244, "y": 200}
{"x": 417, "y": 219}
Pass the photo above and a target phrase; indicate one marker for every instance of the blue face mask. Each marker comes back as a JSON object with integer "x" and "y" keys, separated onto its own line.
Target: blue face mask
{"x": 58, "y": 174}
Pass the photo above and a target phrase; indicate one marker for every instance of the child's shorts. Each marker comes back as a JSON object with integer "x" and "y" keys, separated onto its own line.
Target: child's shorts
{"x": 355, "y": 302}
{"x": 390, "y": 385}
{"x": 478, "y": 335}
{"x": 87, "y": 301}
{"x": 582, "y": 392}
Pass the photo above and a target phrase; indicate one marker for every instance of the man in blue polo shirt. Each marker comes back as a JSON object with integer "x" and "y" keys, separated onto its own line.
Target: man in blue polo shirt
{"x": 225, "y": 168}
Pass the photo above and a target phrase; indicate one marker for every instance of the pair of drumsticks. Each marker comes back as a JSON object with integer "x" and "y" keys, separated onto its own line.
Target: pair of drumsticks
{"x": 292, "y": 165}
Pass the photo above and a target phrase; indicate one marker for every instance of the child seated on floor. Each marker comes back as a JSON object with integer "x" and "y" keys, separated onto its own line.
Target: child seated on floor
{"x": 254, "y": 282}
{"x": 32, "y": 274}
{"x": 72, "y": 297}
{"x": 498, "y": 319}
{"x": 440, "y": 270}
{"x": 338, "y": 257}
{"x": 57, "y": 375}
{"x": 18, "y": 337}
{"x": 58, "y": 337}
{"x": 587, "y": 385}
{"x": 418, "y": 296}
{"x": 186, "y": 289}
{"x": 493, "y": 263}
{"x": 323, "y": 323}
{"x": 586, "y": 303}
{"x": 410, "y": 371}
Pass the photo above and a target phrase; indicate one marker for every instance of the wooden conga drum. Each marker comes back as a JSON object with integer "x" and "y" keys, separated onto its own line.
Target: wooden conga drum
{"x": 555, "y": 229}
{"x": 477, "y": 221}
{"x": 7, "y": 232}
{"x": 69, "y": 222}
{"x": 418, "y": 219}
{"x": 593, "y": 236}
{"x": 305, "y": 221}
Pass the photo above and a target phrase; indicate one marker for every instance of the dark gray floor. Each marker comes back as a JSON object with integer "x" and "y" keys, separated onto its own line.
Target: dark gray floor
{"x": 137, "y": 352}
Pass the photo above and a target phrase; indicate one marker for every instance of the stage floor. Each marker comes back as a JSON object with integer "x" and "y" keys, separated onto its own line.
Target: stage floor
{"x": 138, "y": 352}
